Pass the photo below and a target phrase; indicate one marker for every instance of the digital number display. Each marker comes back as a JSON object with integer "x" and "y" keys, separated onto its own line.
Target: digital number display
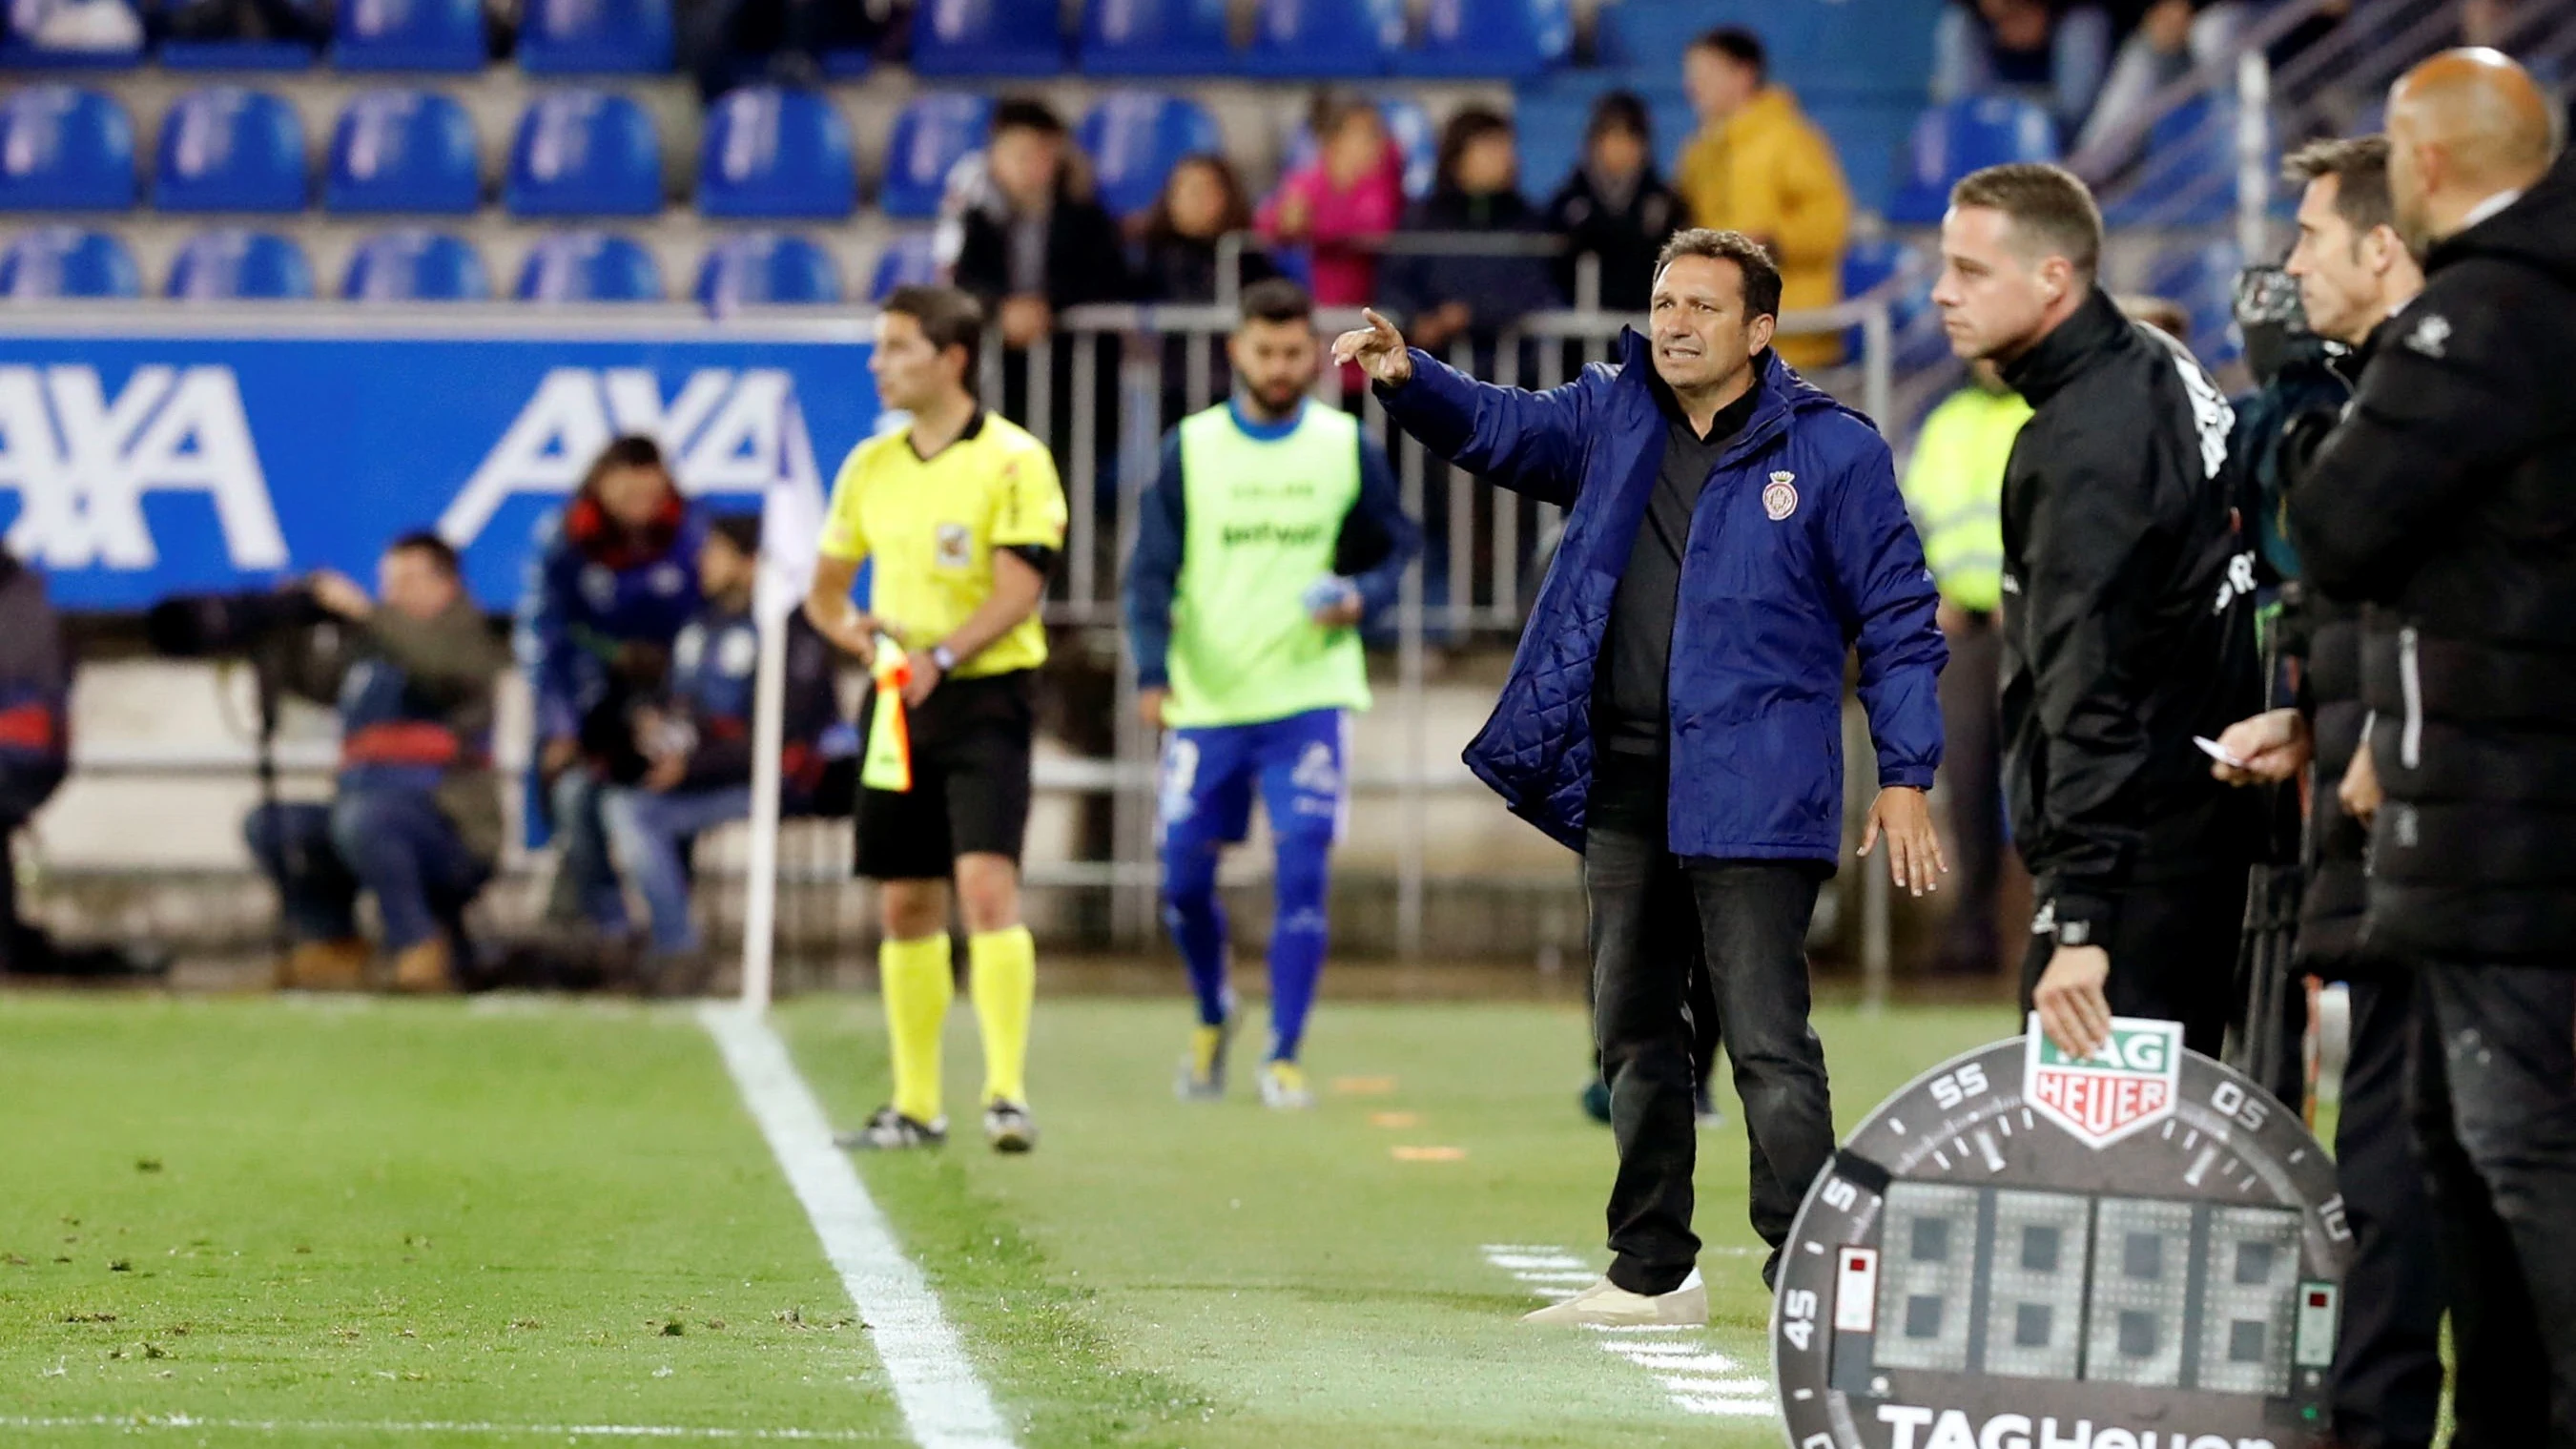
{"x": 2048, "y": 1285}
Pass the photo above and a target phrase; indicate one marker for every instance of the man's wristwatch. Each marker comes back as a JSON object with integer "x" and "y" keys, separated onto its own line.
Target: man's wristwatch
{"x": 944, "y": 657}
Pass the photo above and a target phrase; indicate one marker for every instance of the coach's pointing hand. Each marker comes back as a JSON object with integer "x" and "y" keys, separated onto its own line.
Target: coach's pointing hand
{"x": 1378, "y": 348}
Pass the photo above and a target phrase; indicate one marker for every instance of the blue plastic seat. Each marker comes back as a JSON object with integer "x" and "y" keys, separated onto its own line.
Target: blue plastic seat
{"x": 1408, "y": 125}
{"x": 68, "y": 261}
{"x": 1325, "y": 39}
{"x": 584, "y": 153}
{"x": 1155, "y": 37}
{"x": 234, "y": 265}
{"x": 596, "y": 37}
{"x": 1508, "y": 39}
{"x": 239, "y": 55}
{"x": 911, "y": 259}
{"x": 1135, "y": 139}
{"x": 768, "y": 269}
{"x": 2187, "y": 174}
{"x": 225, "y": 148}
{"x": 1967, "y": 134}
{"x": 1914, "y": 325}
{"x": 2202, "y": 279}
{"x": 402, "y": 151}
{"x": 931, "y": 135}
{"x": 416, "y": 265}
{"x": 988, "y": 37}
{"x": 443, "y": 35}
{"x": 589, "y": 266}
{"x": 772, "y": 152}
{"x": 63, "y": 148}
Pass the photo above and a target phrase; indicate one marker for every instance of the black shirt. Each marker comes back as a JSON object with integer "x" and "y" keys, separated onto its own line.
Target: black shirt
{"x": 1630, "y": 712}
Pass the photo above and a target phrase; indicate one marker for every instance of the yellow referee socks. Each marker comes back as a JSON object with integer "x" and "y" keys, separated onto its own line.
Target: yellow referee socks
{"x": 1003, "y": 966}
{"x": 918, "y": 983}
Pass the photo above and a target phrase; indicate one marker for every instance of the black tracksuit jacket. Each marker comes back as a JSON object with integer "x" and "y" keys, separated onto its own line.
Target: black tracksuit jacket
{"x": 2448, "y": 497}
{"x": 2127, "y": 620}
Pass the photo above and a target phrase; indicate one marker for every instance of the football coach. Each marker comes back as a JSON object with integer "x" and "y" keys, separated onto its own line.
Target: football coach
{"x": 1674, "y": 712}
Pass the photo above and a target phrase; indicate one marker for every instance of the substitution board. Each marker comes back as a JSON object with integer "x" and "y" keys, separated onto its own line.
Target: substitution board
{"x": 2140, "y": 1249}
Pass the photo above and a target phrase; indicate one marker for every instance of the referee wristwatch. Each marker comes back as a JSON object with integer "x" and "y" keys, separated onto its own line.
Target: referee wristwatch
{"x": 944, "y": 657}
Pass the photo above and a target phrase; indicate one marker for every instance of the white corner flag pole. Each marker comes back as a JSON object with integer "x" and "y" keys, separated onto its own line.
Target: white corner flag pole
{"x": 791, "y": 523}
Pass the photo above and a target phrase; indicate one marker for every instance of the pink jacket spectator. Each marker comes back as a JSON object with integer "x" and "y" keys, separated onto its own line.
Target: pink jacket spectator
{"x": 1343, "y": 276}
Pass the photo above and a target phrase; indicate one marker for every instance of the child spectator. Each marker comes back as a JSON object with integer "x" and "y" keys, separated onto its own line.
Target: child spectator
{"x": 1468, "y": 294}
{"x": 1202, "y": 202}
{"x": 1616, "y": 206}
{"x": 1351, "y": 195}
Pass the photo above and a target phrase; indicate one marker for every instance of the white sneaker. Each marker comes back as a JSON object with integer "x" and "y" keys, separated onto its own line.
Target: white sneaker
{"x": 1607, "y": 1305}
{"x": 1283, "y": 1088}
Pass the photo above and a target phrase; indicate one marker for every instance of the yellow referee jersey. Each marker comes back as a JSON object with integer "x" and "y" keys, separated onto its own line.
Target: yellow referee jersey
{"x": 932, "y": 524}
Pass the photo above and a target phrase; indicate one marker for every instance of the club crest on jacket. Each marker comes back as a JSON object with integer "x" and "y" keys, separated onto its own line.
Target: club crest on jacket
{"x": 1781, "y": 498}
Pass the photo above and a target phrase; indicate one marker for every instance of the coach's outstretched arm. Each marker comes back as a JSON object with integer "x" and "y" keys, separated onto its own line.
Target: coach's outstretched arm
{"x": 1529, "y": 442}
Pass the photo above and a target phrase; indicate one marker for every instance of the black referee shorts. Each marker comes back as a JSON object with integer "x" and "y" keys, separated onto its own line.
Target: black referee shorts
{"x": 970, "y": 781}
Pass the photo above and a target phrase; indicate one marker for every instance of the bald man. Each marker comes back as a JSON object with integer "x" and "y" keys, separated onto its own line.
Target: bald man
{"x": 2448, "y": 497}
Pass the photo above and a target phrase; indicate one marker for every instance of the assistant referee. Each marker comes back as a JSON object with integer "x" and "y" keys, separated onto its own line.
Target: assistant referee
{"x": 962, "y": 514}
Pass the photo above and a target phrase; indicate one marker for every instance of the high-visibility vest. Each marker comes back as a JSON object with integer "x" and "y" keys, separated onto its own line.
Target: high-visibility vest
{"x": 1955, "y": 490}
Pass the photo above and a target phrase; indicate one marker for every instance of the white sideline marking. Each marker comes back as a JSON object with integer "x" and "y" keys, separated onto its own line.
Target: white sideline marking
{"x": 1696, "y": 1380}
{"x": 945, "y": 1406}
{"x": 131, "y": 1422}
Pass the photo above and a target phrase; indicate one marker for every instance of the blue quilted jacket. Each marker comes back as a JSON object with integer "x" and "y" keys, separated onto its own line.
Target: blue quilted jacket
{"x": 1800, "y": 548}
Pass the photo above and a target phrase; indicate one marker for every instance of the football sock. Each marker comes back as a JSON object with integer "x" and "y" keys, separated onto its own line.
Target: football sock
{"x": 1297, "y": 936}
{"x": 1196, "y": 919}
{"x": 1003, "y": 968}
{"x": 918, "y": 983}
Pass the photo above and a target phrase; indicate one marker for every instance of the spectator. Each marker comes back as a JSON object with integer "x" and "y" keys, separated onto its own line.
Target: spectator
{"x": 1341, "y": 203}
{"x": 1444, "y": 297}
{"x": 2171, "y": 38}
{"x": 1760, "y": 167}
{"x": 1954, "y": 489}
{"x": 416, "y": 821}
{"x": 1025, "y": 236}
{"x": 1616, "y": 206}
{"x": 729, "y": 43}
{"x": 1202, "y": 202}
{"x": 305, "y": 24}
{"x": 696, "y": 738}
{"x": 610, "y": 588}
{"x": 2054, "y": 52}
{"x": 35, "y": 746}
{"x": 73, "y": 27}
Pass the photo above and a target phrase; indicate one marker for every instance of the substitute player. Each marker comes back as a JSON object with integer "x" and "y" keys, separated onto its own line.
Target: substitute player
{"x": 963, "y": 515}
{"x": 1271, "y": 533}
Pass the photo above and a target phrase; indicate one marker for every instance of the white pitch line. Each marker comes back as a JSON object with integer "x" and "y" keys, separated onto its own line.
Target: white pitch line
{"x": 135, "y": 1422}
{"x": 1695, "y": 1380}
{"x": 945, "y": 1406}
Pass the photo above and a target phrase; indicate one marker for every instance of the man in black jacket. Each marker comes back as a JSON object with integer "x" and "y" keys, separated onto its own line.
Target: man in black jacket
{"x": 2353, "y": 274}
{"x": 1026, "y": 238}
{"x": 2128, "y": 622}
{"x": 2447, "y": 496}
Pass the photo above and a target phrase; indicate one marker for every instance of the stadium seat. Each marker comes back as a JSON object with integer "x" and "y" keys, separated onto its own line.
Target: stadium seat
{"x": 584, "y": 153}
{"x": 2187, "y": 174}
{"x": 772, "y": 152}
{"x": 402, "y": 151}
{"x": 443, "y": 35}
{"x": 65, "y": 149}
{"x": 1507, "y": 39}
{"x": 1325, "y": 39}
{"x": 225, "y": 148}
{"x": 2202, "y": 279}
{"x": 1155, "y": 37}
{"x": 767, "y": 269}
{"x": 416, "y": 266}
{"x": 67, "y": 261}
{"x": 988, "y": 37}
{"x": 589, "y": 266}
{"x": 1415, "y": 138}
{"x": 234, "y": 265}
{"x": 1914, "y": 325}
{"x": 240, "y": 55}
{"x": 1951, "y": 141}
{"x": 931, "y": 134}
{"x": 1135, "y": 139}
{"x": 89, "y": 40}
{"x": 911, "y": 259}
{"x": 596, "y": 37}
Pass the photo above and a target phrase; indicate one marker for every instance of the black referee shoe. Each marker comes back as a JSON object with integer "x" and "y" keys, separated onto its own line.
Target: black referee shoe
{"x": 1007, "y": 1126}
{"x": 891, "y": 1131}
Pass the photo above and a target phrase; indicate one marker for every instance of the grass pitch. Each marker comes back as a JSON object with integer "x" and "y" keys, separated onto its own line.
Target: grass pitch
{"x": 263, "y": 1222}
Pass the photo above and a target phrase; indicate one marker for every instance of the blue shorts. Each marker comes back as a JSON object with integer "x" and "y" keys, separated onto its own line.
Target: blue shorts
{"x": 1298, "y": 762}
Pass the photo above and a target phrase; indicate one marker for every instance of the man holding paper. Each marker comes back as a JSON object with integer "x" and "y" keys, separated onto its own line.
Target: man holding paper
{"x": 962, "y": 514}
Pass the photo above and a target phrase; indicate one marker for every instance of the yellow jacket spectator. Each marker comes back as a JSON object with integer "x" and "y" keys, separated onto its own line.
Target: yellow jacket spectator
{"x": 1762, "y": 168}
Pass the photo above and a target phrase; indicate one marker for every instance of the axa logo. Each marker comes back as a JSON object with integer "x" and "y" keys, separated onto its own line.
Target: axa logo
{"x": 81, "y": 463}
{"x": 724, "y": 432}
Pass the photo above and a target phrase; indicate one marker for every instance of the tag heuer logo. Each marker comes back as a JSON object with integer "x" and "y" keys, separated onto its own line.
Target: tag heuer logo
{"x": 2127, "y": 1086}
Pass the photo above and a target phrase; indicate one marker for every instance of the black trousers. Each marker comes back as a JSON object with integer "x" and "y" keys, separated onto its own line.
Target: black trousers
{"x": 2173, "y": 954}
{"x": 2388, "y": 1362}
{"x": 1657, "y": 918}
{"x": 1972, "y": 767}
{"x": 2495, "y": 1121}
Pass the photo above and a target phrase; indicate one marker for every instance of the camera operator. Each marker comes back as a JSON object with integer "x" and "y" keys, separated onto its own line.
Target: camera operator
{"x": 416, "y": 820}
{"x": 2447, "y": 496}
{"x": 2353, "y": 274}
